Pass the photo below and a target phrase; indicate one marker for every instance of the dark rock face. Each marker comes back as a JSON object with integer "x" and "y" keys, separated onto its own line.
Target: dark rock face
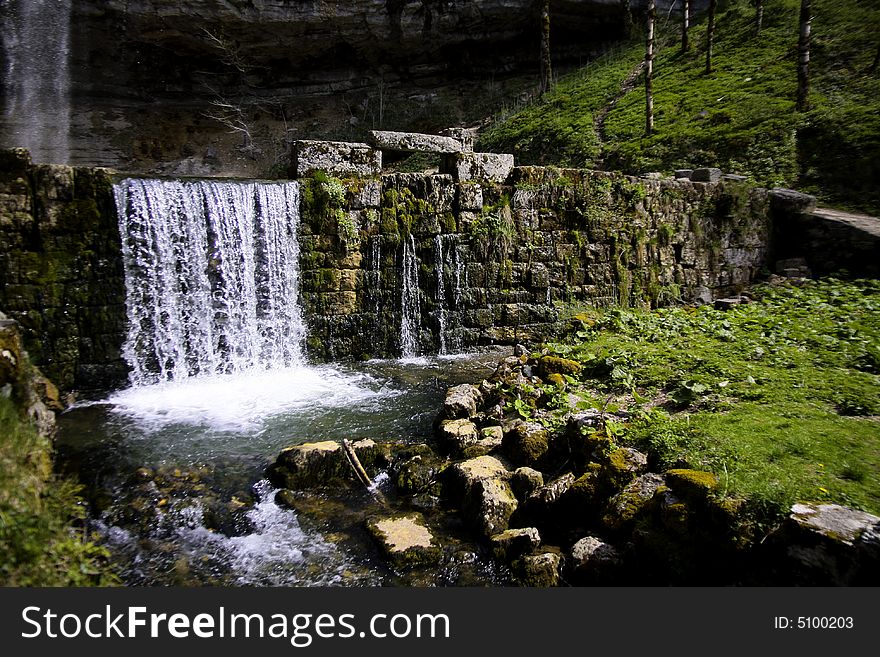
{"x": 159, "y": 84}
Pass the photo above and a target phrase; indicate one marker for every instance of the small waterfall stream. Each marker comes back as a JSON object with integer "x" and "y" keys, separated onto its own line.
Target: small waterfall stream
{"x": 410, "y": 309}
{"x": 36, "y": 42}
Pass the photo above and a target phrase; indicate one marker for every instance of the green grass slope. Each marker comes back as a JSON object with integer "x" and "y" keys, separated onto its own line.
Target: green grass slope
{"x": 741, "y": 117}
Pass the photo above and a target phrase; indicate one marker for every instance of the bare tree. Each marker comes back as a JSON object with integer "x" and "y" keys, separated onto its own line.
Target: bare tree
{"x": 803, "y": 89}
{"x": 710, "y": 34}
{"x": 546, "y": 64}
{"x": 685, "y": 25}
{"x": 876, "y": 62}
{"x": 649, "y": 70}
{"x": 759, "y": 15}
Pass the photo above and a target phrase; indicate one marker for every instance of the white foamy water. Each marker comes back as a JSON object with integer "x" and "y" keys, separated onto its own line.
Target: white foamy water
{"x": 243, "y": 402}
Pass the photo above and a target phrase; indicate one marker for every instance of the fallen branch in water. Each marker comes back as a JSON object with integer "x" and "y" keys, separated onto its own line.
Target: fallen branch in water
{"x": 362, "y": 475}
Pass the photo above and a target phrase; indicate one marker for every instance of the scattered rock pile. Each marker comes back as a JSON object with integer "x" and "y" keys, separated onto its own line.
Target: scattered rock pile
{"x": 564, "y": 503}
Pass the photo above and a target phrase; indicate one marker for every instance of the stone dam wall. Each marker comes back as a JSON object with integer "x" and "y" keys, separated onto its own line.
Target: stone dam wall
{"x": 461, "y": 262}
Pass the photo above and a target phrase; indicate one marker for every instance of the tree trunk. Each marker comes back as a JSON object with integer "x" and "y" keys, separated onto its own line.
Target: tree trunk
{"x": 759, "y": 16}
{"x": 803, "y": 90}
{"x": 685, "y": 25}
{"x": 649, "y": 70}
{"x": 876, "y": 62}
{"x": 710, "y": 34}
{"x": 546, "y": 68}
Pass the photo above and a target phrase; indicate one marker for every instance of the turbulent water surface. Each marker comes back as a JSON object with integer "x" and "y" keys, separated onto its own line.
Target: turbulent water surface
{"x": 175, "y": 470}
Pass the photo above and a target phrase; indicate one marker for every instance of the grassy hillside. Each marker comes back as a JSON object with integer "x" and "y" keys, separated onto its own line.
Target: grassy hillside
{"x": 741, "y": 117}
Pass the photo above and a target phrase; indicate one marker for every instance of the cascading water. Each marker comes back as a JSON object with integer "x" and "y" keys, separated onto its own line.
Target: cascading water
{"x": 36, "y": 38}
{"x": 410, "y": 310}
{"x": 211, "y": 277}
{"x": 442, "y": 310}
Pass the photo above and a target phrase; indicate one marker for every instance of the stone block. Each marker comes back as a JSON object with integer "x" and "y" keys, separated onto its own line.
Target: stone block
{"x": 466, "y": 136}
{"x": 414, "y": 142}
{"x": 683, "y": 174}
{"x": 706, "y": 175}
{"x": 484, "y": 167}
{"x": 788, "y": 201}
{"x": 369, "y": 195}
{"x": 335, "y": 157}
{"x": 470, "y": 196}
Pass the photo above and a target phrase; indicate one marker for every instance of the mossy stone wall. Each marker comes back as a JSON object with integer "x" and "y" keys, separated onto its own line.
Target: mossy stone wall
{"x": 494, "y": 261}
{"x": 510, "y": 253}
{"x": 61, "y": 270}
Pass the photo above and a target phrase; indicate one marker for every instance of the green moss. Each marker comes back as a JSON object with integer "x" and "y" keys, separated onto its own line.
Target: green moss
{"x": 766, "y": 386}
{"x": 694, "y": 483}
{"x": 555, "y": 365}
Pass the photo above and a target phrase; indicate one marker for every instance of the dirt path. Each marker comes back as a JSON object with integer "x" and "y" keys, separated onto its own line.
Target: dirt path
{"x": 628, "y": 84}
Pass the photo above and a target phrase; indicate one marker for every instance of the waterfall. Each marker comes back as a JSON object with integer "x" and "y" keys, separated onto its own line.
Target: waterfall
{"x": 36, "y": 37}
{"x": 410, "y": 313}
{"x": 211, "y": 276}
{"x": 442, "y": 310}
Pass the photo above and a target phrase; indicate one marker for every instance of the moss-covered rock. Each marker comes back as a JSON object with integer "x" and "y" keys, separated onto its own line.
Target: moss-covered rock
{"x": 693, "y": 484}
{"x": 320, "y": 464}
{"x": 622, "y": 465}
{"x": 555, "y": 365}
{"x": 632, "y": 501}
{"x": 538, "y": 570}
{"x": 454, "y": 436}
{"x": 525, "y": 481}
{"x": 527, "y": 444}
{"x": 513, "y": 543}
{"x": 405, "y": 539}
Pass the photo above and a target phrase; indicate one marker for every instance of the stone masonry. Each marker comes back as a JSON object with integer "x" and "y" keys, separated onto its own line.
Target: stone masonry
{"x": 494, "y": 261}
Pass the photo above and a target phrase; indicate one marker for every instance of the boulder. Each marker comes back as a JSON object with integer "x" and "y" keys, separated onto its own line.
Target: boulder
{"x": 629, "y": 503}
{"x": 525, "y": 481}
{"x": 480, "y": 486}
{"x": 488, "y": 506}
{"x": 548, "y": 505}
{"x": 455, "y": 436}
{"x": 538, "y": 570}
{"x": 461, "y": 401}
{"x": 513, "y": 543}
{"x": 692, "y": 484}
{"x": 622, "y": 465}
{"x": 788, "y": 201}
{"x": 490, "y": 440}
{"x": 831, "y": 545}
{"x": 527, "y": 443}
{"x": 593, "y": 561}
{"x": 418, "y": 475}
{"x": 318, "y": 464}
{"x": 555, "y": 365}
{"x": 405, "y": 539}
